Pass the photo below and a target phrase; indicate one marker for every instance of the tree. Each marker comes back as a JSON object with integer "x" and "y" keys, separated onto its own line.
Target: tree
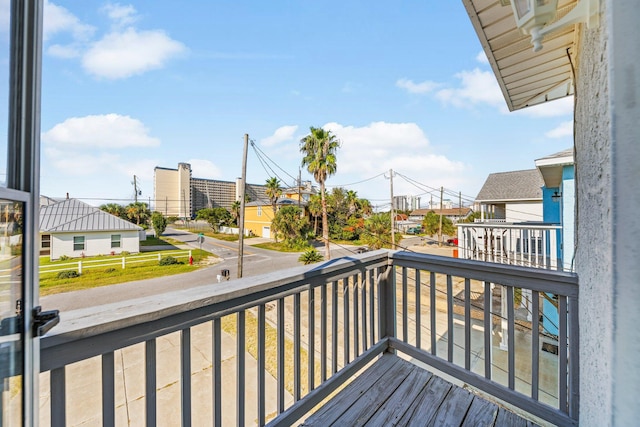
{"x": 315, "y": 209}
{"x": 235, "y": 211}
{"x": 377, "y": 231}
{"x": 273, "y": 192}
{"x": 431, "y": 224}
{"x": 310, "y": 256}
{"x": 159, "y": 223}
{"x": 353, "y": 202}
{"x": 291, "y": 226}
{"x": 114, "y": 209}
{"x": 319, "y": 150}
{"x": 137, "y": 212}
{"x": 216, "y": 217}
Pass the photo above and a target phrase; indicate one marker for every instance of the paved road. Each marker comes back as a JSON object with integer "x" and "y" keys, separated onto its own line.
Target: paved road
{"x": 256, "y": 261}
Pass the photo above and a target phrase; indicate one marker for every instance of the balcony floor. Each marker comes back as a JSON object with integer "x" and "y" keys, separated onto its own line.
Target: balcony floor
{"x": 393, "y": 391}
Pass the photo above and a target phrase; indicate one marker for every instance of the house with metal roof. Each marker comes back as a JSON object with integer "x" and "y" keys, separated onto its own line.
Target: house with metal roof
{"x": 75, "y": 229}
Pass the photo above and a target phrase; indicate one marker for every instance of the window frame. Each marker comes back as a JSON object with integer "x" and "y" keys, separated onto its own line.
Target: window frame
{"x": 114, "y": 241}
{"x": 75, "y": 244}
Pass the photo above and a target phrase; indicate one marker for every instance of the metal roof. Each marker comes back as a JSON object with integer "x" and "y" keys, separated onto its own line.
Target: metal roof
{"x": 526, "y": 78}
{"x": 71, "y": 215}
{"x": 512, "y": 186}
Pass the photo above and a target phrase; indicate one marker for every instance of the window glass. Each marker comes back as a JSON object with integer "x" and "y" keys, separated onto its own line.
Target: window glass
{"x": 115, "y": 240}
{"x": 11, "y": 218}
{"x": 46, "y": 241}
{"x": 4, "y": 88}
{"x": 78, "y": 243}
{"x": 259, "y": 210}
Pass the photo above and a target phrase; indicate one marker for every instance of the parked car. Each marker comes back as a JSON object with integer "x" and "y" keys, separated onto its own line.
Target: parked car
{"x": 452, "y": 242}
{"x": 414, "y": 230}
{"x": 362, "y": 249}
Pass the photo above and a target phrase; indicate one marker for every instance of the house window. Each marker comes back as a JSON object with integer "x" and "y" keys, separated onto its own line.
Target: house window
{"x": 46, "y": 241}
{"x": 115, "y": 240}
{"x": 259, "y": 210}
{"x": 78, "y": 243}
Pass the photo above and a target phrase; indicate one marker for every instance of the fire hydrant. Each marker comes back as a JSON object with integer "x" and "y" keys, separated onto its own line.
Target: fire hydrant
{"x": 190, "y": 260}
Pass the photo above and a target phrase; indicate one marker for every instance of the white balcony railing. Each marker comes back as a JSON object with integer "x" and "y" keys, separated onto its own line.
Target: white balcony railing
{"x": 272, "y": 347}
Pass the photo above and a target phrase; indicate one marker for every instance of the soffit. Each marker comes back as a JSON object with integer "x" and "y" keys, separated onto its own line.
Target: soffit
{"x": 526, "y": 78}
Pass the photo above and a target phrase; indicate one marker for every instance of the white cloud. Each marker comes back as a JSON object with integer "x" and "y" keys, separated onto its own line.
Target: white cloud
{"x": 564, "y": 129}
{"x": 481, "y": 57}
{"x": 57, "y": 19}
{"x": 66, "y": 52}
{"x": 381, "y": 146}
{"x": 418, "y": 88}
{"x": 555, "y": 108}
{"x": 476, "y": 87}
{"x": 5, "y": 8}
{"x": 108, "y": 131}
{"x": 121, "y": 55}
{"x": 282, "y": 134}
{"x": 120, "y": 15}
{"x": 204, "y": 169}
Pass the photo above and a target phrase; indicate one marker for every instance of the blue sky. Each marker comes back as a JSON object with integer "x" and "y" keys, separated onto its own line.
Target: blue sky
{"x": 133, "y": 85}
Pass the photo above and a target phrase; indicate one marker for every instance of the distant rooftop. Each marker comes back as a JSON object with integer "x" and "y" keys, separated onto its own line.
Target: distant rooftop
{"x": 515, "y": 185}
{"x": 72, "y": 215}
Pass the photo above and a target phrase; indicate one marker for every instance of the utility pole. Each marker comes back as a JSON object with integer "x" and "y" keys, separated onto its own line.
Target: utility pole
{"x": 393, "y": 233}
{"x": 135, "y": 188}
{"x": 459, "y": 205}
{"x": 440, "y": 227}
{"x": 299, "y": 184}
{"x": 431, "y": 202}
{"x": 242, "y": 203}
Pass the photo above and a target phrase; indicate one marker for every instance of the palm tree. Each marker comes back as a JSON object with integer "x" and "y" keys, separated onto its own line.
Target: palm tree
{"x": 315, "y": 209}
{"x": 235, "y": 211}
{"x": 273, "y": 192}
{"x": 319, "y": 150}
{"x": 365, "y": 207}
{"x": 137, "y": 211}
{"x": 113, "y": 209}
{"x": 353, "y": 202}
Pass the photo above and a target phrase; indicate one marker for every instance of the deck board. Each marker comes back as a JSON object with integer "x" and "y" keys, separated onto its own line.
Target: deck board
{"x": 394, "y": 391}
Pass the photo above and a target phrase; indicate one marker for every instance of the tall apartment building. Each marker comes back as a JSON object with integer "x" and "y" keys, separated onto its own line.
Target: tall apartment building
{"x": 406, "y": 203}
{"x": 177, "y": 193}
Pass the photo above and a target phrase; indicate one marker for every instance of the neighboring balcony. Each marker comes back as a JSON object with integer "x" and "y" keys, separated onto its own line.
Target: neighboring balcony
{"x": 527, "y": 244}
{"x": 380, "y": 338}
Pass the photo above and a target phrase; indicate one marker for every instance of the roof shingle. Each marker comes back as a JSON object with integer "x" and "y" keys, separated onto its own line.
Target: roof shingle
{"x": 515, "y": 185}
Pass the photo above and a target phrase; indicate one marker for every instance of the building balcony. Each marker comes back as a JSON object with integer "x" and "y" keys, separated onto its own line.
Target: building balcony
{"x": 380, "y": 338}
{"x": 528, "y": 244}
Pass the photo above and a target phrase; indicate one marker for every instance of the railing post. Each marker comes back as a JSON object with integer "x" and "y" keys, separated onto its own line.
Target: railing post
{"x": 79, "y": 267}
{"x": 123, "y": 263}
{"x": 387, "y": 297}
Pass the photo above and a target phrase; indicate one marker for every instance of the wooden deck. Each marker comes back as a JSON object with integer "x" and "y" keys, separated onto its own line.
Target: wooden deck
{"x": 395, "y": 392}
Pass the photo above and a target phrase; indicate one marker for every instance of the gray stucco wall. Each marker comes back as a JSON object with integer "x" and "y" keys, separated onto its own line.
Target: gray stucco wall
{"x": 608, "y": 230}
{"x": 594, "y": 232}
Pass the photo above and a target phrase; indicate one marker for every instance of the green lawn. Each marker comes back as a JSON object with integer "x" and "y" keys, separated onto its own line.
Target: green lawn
{"x": 162, "y": 241}
{"x": 109, "y": 275}
{"x": 280, "y": 247}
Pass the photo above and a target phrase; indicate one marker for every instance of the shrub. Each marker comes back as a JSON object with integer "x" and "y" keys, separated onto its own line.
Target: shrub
{"x": 110, "y": 270}
{"x": 68, "y": 274}
{"x": 64, "y": 258}
{"x": 168, "y": 260}
{"x": 310, "y": 256}
{"x": 125, "y": 253}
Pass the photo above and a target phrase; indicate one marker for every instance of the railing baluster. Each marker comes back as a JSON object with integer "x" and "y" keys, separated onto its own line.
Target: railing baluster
{"x": 334, "y": 327}
{"x": 562, "y": 354}
{"x": 108, "y": 390}
{"x": 363, "y": 310}
{"x": 185, "y": 376}
{"x": 372, "y": 305}
{"x": 450, "y": 318}
{"x": 488, "y": 329}
{"x": 467, "y": 324}
{"x": 150, "y": 381}
{"x": 511, "y": 338}
{"x": 345, "y": 320}
{"x": 57, "y": 388}
{"x": 240, "y": 362}
{"x": 574, "y": 356}
{"x": 356, "y": 323}
{"x": 323, "y": 333}
{"x": 311, "y": 338}
{"x": 217, "y": 372}
{"x": 296, "y": 347}
{"x": 261, "y": 365}
{"x": 405, "y": 308}
{"x": 418, "y": 310}
{"x": 535, "y": 344}
{"x": 432, "y": 311}
{"x": 281, "y": 355}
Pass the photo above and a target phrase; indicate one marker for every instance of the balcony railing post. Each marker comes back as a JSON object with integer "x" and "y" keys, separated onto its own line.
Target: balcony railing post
{"x": 387, "y": 282}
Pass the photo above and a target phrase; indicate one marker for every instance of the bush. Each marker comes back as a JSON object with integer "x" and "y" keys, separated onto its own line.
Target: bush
{"x": 64, "y": 258}
{"x": 310, "y": 256}
{"x": 168, "y": 260}
{"x": 110, "y": 270}
{"x": 68, "y": 274}
{"x": 125, "y": 253}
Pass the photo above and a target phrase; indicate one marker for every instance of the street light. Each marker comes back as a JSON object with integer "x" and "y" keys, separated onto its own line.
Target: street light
{"x": 534, "y": 17}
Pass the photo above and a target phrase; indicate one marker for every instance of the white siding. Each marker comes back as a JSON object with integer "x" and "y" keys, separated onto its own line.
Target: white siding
{"x": 519, "y": 212}
{"x": 96, "y": 243}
